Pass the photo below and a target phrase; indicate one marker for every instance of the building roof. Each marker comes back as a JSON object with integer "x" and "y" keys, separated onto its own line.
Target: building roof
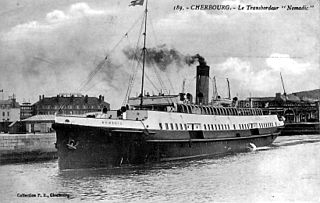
{"x": 71, "y": 101}
{"x": 288, "y": 98}
{"x": 40, "y": 118}
{"x": 10, "y": 102}
{"x": 154, "y": 100}
{"x": 260, "y": 98}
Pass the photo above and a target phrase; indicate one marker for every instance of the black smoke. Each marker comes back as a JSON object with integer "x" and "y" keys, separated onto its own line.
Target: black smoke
{"x": 163, "y": 57}
{"x": 192, "y": 59}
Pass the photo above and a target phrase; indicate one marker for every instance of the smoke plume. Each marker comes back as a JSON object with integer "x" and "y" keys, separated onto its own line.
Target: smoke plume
{"x": 192, "y": 59}
{"x": 163, "y": 57}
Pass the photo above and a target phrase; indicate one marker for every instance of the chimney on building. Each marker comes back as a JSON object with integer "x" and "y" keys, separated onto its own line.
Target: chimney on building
{"x": 278, "y": 97}
{"x": 39, "y": 97}
{"x": 102, "y": 98}
{"x": 202, "y": 82}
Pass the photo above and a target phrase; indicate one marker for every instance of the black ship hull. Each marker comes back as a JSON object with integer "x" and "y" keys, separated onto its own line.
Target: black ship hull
{"x": 95, "y": 147}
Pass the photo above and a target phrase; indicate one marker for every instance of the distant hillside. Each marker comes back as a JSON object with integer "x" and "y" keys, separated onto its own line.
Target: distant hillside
{"x": 311, "y": 94}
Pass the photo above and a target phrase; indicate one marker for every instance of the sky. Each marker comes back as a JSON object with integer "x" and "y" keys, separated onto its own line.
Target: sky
{"x": 50, "y": 47}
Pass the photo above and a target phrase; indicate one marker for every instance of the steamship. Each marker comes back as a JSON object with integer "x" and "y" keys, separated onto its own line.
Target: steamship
{"x": 160, "y": 128}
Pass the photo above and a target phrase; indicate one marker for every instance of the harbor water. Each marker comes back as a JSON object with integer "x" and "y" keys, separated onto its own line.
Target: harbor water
{"x": 289, "y": 170}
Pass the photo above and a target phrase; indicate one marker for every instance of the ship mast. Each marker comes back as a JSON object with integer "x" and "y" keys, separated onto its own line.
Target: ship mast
{"x": 144, "y": 52}
{"x": 215, "y": 90}
{"x": 284, "y": 90}
{"x": 229, "y": 94}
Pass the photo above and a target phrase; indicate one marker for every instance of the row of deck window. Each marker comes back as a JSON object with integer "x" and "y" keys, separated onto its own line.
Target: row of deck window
{"x": 177, "y": 126}
{"x": 180, "y": 126}
{"x": 266, "y": 125}
{"x": 210, "y": 110}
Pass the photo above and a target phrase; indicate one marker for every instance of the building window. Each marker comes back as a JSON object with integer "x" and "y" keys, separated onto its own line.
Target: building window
{"x": 160, "y": 125}
{"x": 171, "y": 124}
{"x": 8, "y": 113}
{"x": 167, "y": 126}
{"x": 3, "y": 114}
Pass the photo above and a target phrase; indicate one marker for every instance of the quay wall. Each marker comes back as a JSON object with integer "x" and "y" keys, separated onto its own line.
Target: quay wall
{"x": 302, "y": 128}
{"x": 27, "y": 147}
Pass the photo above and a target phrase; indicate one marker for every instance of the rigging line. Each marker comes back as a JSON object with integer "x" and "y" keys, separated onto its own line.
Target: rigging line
{"x": 92, "y": 85}
{"x": 155, "y": 38}
{"x": 214, "y": 86}
{"x": 155, "y": 69}
{"x": 169, "y": 99}
{"x": 148, "y": 78}
{"x": 130, "y": 84}
{"x": 131, "y": 81}
{"x": 170, "y": 81}
{"x": 135, "y": 69}
{"x": 140, "y": 31}
{"x": 146, "y": 75}
{"x": 161, "y": 83}
{"x": 153, "y": 30}
{"x": 189, "y": 81}
{"x": 159, "y": 78}
{"x": 158, "y": 75}
{"x": 91, "y": 76}
{"x": 101, "y": 64}
{"x": 98, "y": 68}
{"x": 155, "y": 87}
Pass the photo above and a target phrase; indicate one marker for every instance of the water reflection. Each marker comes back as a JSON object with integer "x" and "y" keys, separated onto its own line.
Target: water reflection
{"x": 267, "y": 174}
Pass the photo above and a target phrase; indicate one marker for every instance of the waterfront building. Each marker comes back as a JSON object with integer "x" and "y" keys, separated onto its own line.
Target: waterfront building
{"x": 39, "y": 124}
{"x": 295, "y": 109}
{"x": 25, "y": 110}
{"x": 9, "y": 113}
{"x": 69, "y": 104}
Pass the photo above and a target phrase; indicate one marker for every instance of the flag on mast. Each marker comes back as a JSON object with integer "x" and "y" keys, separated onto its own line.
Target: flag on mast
{"x": 136, "y": 2}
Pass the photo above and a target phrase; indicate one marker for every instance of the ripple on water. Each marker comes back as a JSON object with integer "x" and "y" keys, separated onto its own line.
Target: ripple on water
{"x": 286, "y": 171}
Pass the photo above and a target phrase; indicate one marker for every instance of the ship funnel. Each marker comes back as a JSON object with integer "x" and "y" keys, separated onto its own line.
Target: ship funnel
{"x": 202, "y": 83}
